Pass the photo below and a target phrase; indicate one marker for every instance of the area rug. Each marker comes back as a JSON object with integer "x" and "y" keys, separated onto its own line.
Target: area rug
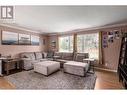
{"x": 57, "y": 80}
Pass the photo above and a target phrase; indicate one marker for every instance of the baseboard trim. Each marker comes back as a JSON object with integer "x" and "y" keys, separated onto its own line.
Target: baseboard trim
{"x": 104, "y": 69}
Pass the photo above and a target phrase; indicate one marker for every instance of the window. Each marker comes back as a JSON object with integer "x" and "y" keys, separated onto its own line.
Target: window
{"x": 66, "y": 44}
{"x": 89, "y": 43}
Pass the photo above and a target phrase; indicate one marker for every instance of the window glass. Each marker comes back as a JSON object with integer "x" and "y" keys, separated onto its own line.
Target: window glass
{"x": 66, "y": 44}
{"x": 89, "y": 43}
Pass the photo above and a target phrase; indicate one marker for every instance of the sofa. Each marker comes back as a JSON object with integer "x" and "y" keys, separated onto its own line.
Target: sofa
{"x": 72, "y": 63}
{"x": 64, "y": 57}
{"x": 31, "y": 58}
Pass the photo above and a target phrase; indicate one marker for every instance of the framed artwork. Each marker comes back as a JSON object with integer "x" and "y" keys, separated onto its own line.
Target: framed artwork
{"x": 35, "y": 40}
{"x": 9, "y": 38}
{"x": 105, "y": 39}
{"x": 24, "y": 39}
{"x": 111, "y": 36}
{"x": 53, "y": 44}
{"x": 117, "y": 34}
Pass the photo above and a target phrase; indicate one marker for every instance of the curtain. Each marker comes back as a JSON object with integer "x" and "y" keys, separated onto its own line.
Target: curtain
{"x": 100, "y": 48}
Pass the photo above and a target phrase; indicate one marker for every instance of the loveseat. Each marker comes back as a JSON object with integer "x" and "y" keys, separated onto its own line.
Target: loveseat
{"x": 31, "y": 58}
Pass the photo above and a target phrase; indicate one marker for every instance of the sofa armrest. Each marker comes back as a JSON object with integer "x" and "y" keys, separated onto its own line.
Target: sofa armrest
{"x": 86, "y": 60}
{"x": 90, "y": 61}
{"x": 27, "y": 63}
{"x": 26, "y": 59}
{"x": 56, "y": 57}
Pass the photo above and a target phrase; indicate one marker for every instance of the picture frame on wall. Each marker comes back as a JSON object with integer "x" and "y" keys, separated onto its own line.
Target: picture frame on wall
{"x": 105, "y": 39}
{"x": 24, "y": 39}
{"x": 117, "y": 34}
{"x": 35, "y": 40}
{"x": 53, "y": 44}
{"x": 9, "y": 38}
{"x": 111, "y": 36}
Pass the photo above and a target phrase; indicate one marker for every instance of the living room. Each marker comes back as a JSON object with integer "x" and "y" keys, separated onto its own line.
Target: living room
{"x": 58, "y": 47}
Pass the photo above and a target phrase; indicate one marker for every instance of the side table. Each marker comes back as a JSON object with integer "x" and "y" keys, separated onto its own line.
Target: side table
{"x": 90, "y": 61}
{"x": 9, "y": 62}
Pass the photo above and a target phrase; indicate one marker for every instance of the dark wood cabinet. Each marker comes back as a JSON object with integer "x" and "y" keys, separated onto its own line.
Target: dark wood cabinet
{"x": 122, "y": 66}
{"x": 123, "y": 75}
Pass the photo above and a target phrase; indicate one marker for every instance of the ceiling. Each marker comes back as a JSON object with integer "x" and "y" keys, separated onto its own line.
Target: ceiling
{"x": 53, "y": 19}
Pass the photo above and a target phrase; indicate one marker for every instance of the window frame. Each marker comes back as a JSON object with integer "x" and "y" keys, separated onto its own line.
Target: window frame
{"x": 69, "y": 50}
{"x": 82, "y": 49}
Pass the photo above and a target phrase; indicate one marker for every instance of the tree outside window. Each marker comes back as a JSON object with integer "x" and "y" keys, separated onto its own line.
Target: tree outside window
{"x": 66, "y": 44}
{"x": 89, "y": 43}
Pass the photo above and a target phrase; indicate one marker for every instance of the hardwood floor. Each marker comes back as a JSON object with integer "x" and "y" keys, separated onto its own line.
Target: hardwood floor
{"x": 5, "y": 84}
{"x": 105, "y": 80}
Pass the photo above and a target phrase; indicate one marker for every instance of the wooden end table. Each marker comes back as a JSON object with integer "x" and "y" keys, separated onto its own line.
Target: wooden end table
{"x": 9, "y": 62}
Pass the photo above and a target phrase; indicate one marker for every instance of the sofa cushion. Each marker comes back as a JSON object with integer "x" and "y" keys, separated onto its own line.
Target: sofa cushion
{"x": 34, "y": 61}
{"x": 61, "y": 60}
{"x": 44, "y": 59}
{"x": 58, "y": 54}
{"x": 38, "y": 55}
{"x": 45, "y": 54}
{"x": 80, "y": 56}
{"x": 86, "y": 55}
{"x": 25, "y": 55}
{"x": 32, "y": 56}
{"x": 29, "y": 55}
{"x": 50, "y": 54}
{"x": 67, "y": 56}
{"x": 77, "y": 64}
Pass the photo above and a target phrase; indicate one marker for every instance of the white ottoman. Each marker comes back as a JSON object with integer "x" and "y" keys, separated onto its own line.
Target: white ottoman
{"x": 46, "y": 67}
{"x": 76, "y": 68}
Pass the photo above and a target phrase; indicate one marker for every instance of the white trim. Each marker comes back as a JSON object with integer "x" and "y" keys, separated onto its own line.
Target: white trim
{"x": 115, "y": 71}
{"x": 88, "y": 29}
{"x": 102, "y": 27}
{"x": 72, "y": 31}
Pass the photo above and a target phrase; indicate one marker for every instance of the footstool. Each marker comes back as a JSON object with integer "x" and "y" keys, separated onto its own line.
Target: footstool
{"x": 76, "y": 68}
{"x": 46, "y": 67}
